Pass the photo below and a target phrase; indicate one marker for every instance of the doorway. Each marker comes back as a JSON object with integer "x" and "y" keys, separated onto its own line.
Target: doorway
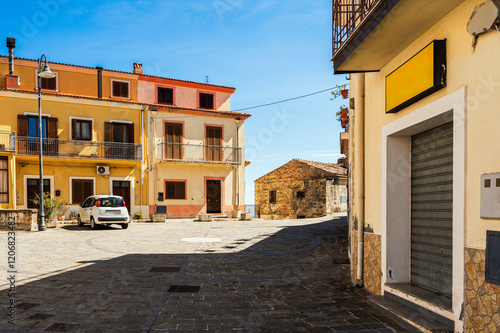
{"x": 33, "y": 190}
{"x": 213, "y": 195}
{"x": 122, "y": 188}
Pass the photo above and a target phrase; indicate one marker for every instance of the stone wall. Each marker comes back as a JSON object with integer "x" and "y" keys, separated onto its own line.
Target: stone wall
{"x": 26, "y": 219}
{"x": 372, "y": 264}
{"x": 287, "y": 180}
{"x": 481, "y": 298}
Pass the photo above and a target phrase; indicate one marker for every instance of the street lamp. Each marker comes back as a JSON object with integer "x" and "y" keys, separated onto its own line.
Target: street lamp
{"x": 42, "y": 74}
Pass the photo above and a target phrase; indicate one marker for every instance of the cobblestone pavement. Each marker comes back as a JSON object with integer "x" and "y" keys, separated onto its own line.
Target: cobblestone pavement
{"x": 253, "y": 276}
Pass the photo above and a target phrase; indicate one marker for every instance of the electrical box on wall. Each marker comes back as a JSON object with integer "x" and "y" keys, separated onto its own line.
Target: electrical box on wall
{"x": 490, "y": 196}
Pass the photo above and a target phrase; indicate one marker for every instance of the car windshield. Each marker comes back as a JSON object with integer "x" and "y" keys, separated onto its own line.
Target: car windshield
{"x": 112, "y": 202}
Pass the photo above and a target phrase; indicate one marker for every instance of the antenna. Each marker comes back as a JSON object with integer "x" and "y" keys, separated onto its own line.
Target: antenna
{"x": 208, "y": 79}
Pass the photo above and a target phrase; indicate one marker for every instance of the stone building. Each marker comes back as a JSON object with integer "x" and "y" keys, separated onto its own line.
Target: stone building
{"x": 302, "y": 189}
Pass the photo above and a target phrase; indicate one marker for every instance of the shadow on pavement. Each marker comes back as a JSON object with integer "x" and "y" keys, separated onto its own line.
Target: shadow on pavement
{"x": 285, "y": 282}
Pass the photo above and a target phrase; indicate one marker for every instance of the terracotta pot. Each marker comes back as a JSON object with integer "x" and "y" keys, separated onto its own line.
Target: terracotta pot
{"x": 60, "y": 218}
{"x": 345, "y": 93}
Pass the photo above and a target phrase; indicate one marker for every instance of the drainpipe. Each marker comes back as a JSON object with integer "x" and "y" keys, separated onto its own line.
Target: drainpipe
{"x": 99, "y": 81}
{"x": 237, "y": 169}
{"x": 142, "y": 157}
{"x": 359, "y": 151}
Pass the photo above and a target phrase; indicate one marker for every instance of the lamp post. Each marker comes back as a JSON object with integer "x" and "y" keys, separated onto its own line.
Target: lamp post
{"x": 45, "y": 74}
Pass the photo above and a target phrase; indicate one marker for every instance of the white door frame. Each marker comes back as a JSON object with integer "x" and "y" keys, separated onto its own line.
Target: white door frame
{"x": 396, "y": 191}
{"x": 25, "y": 186}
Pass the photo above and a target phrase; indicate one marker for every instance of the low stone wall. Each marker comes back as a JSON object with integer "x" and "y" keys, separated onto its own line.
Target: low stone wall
{"x": 26, "y": 219}
{"x": 372, "y": 264}
{"x": 481, "y": 298}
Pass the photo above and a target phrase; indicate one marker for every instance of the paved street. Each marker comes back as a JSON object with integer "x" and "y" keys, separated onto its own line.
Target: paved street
{"x": 253, "y": 276}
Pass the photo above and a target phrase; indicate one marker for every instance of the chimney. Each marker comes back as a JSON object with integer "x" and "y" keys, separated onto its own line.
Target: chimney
{"x": 138, "y": 68}
{"x": 11, "y": 80}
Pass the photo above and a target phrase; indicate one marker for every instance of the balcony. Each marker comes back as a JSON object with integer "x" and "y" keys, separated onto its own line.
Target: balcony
{"x": 194, "y": 153}
{"x": 7, "y": 141}
{"x": 79, "y": 149}
{"x": 368, "y": 34}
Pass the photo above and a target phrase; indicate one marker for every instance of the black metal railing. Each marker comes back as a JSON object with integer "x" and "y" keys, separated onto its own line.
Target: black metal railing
{"x": 181, "y": 152}
{"x": 79, "y": 149}
{"x": 7, "y": 141}
{"x": 347, "y": 16}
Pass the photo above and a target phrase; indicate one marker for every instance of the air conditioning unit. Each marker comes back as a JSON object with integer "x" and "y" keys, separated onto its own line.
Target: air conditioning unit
{"x": 102, "y": 170}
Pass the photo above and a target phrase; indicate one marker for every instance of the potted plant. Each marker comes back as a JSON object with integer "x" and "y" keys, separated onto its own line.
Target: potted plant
{"x": 72, "y": 215}
{"x": 235, "y": 213}
{"x": 138, "y": 216}
{"x": 52, "y": 207}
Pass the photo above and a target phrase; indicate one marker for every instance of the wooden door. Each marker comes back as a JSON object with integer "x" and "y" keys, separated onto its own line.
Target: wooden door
{"x": 214, "y": 194}
{"x": 122, "y": 188}
{"x": 214, "y": 143}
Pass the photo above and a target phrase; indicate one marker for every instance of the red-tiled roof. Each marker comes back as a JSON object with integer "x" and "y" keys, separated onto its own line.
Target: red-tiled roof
{"x": 131, "y": 73}
{"x": 158, "y": 107}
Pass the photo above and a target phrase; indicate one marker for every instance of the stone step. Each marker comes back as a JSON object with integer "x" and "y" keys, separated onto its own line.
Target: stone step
{"x": 410, "y": 315}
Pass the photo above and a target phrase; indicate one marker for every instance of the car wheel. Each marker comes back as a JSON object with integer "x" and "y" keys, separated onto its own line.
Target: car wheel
{"x": 79, "y": 219}
{"x": 92, "y": 224}
{"x": 124, "y": 225}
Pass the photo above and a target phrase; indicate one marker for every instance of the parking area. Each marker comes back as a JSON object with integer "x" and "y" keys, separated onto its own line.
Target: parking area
{"x": 250, "y": 276}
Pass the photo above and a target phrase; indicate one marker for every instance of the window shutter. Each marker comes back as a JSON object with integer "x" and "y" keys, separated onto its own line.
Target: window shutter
{"x": 180, "y": 190}
{"x": 52, "y": 128}
{"x": 108, "y": 131}
{"x": 22, "y": 125}
{"x": 131, "y": 133}
{"x": 73, "y": 129}
{"x": 124, "y": 90}
{"x": 116, "y": 88}
{"x": 88, "y": 189}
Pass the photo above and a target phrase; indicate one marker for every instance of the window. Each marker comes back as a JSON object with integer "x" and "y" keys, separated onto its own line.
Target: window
{"x": 4, "y": 180}
{"x": 272, "y": 197}
{"x": 81, "y": 129}
{"x": 175, "y": 190}
{"x": 301, "y": 194}
{"x": 81, "y": 189}
{"x": 206, "y": 101}
{"x": 120, "y": 89}
{"x": 48, "y": 84}
{"x": 343, "y": 198}
{"x": 165, "y": 96}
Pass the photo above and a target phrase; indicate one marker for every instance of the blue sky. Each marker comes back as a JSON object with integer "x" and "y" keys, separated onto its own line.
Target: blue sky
{"x": 269, "y": 50}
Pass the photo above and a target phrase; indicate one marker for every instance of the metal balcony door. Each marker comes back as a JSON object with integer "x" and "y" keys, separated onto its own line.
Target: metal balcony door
{"x": 432, "y": 209}
{"x": 214, "y": 194}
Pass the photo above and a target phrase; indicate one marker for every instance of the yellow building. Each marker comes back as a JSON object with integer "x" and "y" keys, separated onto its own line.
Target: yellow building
{"x": 110, "y": 132}
{"x": 423, "y": 157}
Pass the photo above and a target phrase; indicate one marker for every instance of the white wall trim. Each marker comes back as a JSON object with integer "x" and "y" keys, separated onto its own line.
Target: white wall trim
{"x": 132, "y": 191}
{"x": 121, "y": 121}
{"x": 71, "y": 186}
{"x": 80, "y": 118}
{"x": 396, "y": 181}
{"x": 25, "y": 187}
{"x": 36, "y": 114}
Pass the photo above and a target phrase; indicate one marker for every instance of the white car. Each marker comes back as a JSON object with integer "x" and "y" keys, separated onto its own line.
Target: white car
{"x": 103, "y": 210}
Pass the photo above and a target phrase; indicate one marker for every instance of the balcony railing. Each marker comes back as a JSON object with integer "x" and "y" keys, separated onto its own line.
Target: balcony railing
{"x": 347, "y": 16}
{"x": 180, "y": 152}
{"x": 79, "y": 149}
{"x": 7, "y": 141}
